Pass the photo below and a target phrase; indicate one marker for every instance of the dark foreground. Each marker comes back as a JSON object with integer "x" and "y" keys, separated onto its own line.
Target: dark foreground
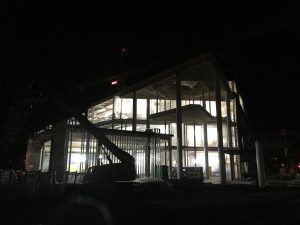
{"x": 157, "y": 203}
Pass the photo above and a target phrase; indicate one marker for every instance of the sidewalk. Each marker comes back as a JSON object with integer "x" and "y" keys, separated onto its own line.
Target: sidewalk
{"x": 272, "y": 182}
{"x": 283, "y": 182}
{"x": 217, "y": 180}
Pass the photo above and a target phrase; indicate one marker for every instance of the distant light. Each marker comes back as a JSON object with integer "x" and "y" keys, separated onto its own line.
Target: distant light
{"x": 114, "y": 82}
{"x": 298, "y": 166}
{"x": 124, "y": 50}
{"x": 282, "y": 164}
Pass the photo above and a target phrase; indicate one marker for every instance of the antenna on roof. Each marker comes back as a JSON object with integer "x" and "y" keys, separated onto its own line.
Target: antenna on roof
{"x": 123, "y": 53}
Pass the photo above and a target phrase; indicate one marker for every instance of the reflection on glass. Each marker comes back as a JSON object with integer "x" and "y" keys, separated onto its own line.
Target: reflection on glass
{"x": 213, "y": 159}
{"x": 212, "y": 135}
{"x": 141, "y": 111}
{"x": 127, "y": 104}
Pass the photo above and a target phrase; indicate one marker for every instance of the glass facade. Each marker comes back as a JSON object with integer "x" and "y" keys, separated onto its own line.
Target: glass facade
{"x": 156, "y": 111}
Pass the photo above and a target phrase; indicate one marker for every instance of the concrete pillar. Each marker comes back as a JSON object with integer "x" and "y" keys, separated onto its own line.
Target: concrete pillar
{"x": 57, "y": 152}
{"x": 134, "y": 111}
{"x": 33, "y": 156}
{"x": 206, "y": 150}
{"x": 229, "y": 132}
{"x": 220, "y": 134}
{"x": 179, "y": 126}
{"x": 260, "y": 165}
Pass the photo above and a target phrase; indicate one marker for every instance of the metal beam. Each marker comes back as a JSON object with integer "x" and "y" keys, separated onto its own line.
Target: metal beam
{"x": 229, "y": 132}
{"x": 220, "y": 133}
{"x": 179, "y": 126}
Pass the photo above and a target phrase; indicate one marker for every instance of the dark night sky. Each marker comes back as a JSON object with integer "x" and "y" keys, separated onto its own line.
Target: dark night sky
{"x": 267, "y": 69}
{"x": 260, "y": 49}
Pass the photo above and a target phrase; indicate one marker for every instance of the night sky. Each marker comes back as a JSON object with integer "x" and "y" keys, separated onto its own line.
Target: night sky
{"x": 259, "y": 49}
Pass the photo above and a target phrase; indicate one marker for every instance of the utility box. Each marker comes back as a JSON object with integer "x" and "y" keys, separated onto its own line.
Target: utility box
{"x": 193, "y": 173}
{"x": 164, "y": 172}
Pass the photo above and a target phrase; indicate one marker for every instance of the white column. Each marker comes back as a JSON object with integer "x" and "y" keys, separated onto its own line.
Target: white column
{"x": 57, "y": 161}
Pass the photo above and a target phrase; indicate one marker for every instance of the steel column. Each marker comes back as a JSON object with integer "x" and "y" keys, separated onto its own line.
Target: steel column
{"x": 206, "y": 150}
{"x": 220, "y": 133}
{"x": 179, "y": 126}
{"x": 229, "y": 132}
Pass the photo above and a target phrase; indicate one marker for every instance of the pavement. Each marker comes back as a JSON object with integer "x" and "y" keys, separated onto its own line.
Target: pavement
{"x": 156, "y": 202}
{"x": 270, "y": 181}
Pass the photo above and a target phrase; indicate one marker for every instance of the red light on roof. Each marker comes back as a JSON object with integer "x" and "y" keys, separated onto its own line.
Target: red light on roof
{"x": 114, "y": 82}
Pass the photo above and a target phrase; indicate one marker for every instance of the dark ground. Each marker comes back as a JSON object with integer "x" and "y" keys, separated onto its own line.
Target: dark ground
{"x": 156, "y": 204}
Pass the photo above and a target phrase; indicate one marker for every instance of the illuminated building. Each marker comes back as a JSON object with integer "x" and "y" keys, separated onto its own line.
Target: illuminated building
{"x": 143, "y": 119}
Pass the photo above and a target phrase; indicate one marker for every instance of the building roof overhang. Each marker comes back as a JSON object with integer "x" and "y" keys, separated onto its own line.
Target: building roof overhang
{"x": 190, "y": 114}
{"x": 202, "y": 67}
